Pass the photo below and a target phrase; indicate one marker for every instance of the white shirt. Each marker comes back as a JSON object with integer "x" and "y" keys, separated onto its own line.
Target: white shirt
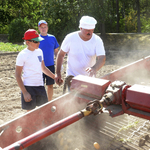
{"x": 31, "y": 62}
{"x": 81, "y": 54}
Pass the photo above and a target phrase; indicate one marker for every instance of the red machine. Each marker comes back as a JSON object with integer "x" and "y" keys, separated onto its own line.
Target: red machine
{"x": 90, "y": 96}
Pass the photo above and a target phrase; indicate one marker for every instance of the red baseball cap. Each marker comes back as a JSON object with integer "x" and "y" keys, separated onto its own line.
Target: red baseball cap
{"x": 32, "y": 34}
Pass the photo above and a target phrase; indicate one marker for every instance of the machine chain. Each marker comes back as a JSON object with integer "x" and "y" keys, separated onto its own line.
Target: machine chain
{"x": 140, "y": 134}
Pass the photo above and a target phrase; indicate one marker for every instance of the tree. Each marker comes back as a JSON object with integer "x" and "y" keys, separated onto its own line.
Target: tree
{"x": 117, "y": 12}
{"x": 63, "y": 15}
{"x": 12, "y": 9}
{"x": 138, "y": 17}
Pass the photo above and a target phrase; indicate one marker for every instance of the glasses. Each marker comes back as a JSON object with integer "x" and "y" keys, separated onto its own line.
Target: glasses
{"x": 33, "y": 41}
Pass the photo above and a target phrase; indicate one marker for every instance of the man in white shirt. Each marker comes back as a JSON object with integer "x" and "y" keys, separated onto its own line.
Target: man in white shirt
{"x": 85, "y": 50}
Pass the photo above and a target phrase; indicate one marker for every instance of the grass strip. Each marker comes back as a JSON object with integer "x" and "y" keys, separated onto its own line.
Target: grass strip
{"x": 9, "y": 47}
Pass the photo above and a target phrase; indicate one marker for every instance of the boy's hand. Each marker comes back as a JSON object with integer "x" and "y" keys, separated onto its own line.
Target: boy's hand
{"x": 58, "y": 79}
{"x": 60, "y": 82}
{"x": 27, "y": 97}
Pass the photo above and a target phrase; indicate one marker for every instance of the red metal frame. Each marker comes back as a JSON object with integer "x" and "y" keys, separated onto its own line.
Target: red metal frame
{"x": 137, "y": 100}
{"x": 40, "y": 118}
{"x": 37, "y": 136}
{"x": 118, "y": 74}
{"x": 92, "y": 87}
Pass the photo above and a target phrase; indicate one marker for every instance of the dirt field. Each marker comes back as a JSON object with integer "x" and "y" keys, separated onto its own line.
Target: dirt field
{"x": 10, "y": 103}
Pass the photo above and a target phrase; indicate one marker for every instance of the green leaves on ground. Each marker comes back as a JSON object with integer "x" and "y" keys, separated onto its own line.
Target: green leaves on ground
{"x": 9, "y": 47}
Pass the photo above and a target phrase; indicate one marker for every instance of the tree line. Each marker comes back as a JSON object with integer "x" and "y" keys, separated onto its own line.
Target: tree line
{"x": 113, "y": 16}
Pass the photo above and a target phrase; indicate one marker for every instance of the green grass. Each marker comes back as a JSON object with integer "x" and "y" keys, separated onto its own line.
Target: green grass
{"x": 128, "y": 126}
{"x": 9, "y": 47}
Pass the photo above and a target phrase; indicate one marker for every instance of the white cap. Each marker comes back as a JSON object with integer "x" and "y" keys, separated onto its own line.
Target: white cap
{"x": 87, "y": 22}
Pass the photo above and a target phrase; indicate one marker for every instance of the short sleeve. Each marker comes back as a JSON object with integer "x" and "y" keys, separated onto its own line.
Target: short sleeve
{"x": 100, "y": 50}
{"x": 56, "y": 43}
{"x": 20, "y": 60}
{"x": 65, "y": 44}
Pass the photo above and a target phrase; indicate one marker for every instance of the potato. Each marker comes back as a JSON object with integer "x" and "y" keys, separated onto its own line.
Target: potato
{"x": 96, "y": 145}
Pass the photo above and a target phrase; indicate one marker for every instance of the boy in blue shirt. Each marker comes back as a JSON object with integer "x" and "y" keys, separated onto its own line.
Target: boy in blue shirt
{"x": 49, "y": 46}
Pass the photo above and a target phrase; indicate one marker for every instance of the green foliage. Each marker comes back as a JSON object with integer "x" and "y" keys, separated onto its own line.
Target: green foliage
{"x": 4, "y": 29}
{"x": 9, "y": 47}
{"x": 63, "y": 15}
{"x": 145, "y": 17}
{"x": 131, "y": 21}
{"x": 17, "y": 29}
{"x": 12, "y": 9}
{"x": 145, "y": 24}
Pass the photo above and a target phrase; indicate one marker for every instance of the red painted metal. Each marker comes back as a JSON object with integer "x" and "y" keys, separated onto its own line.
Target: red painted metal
{"x": 138, "y": 97}
{"x": 122, "y": 72}
{"x": 92, "y": 87}
{"x": 45, "y": 132}
{"x": 135, "y": 101}
{"x": 40, "y": 118}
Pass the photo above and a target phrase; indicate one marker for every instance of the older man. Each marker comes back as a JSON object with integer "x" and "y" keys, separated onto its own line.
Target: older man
{"x": 85, "y": 50}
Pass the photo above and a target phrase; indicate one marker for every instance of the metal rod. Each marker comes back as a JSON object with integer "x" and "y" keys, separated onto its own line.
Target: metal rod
{"x": 31, "y": 139}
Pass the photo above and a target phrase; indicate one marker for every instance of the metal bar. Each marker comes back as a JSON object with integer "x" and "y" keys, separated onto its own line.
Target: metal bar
{"x": 19, "y": 145}
{"x": 124, "y": 71}
{"x": 45, "y": 116}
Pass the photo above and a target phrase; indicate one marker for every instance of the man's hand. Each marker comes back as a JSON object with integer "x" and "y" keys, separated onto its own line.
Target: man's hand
{"x": 100, "y": 61}
{"x": 58, "y": 79}
{"x": 27, "y": 97}
{"x": 91, "y": 71}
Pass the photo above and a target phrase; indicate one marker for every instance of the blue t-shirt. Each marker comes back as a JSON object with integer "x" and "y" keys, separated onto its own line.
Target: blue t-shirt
{"x": 47, "y": 46}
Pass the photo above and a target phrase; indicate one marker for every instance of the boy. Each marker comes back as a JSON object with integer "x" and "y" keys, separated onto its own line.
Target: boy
{"x": 30, "y": 61}
{"x": 49, "y": 46}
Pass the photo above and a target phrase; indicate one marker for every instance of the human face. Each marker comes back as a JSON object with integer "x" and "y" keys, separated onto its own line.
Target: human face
{"x": 86, "y": 34}
{"x": 43, "y": 28}
{"x": 32, "y": 45}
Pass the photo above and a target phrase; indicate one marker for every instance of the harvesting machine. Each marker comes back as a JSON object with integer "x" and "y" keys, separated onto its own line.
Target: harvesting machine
{"x": 123, "y": 94}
